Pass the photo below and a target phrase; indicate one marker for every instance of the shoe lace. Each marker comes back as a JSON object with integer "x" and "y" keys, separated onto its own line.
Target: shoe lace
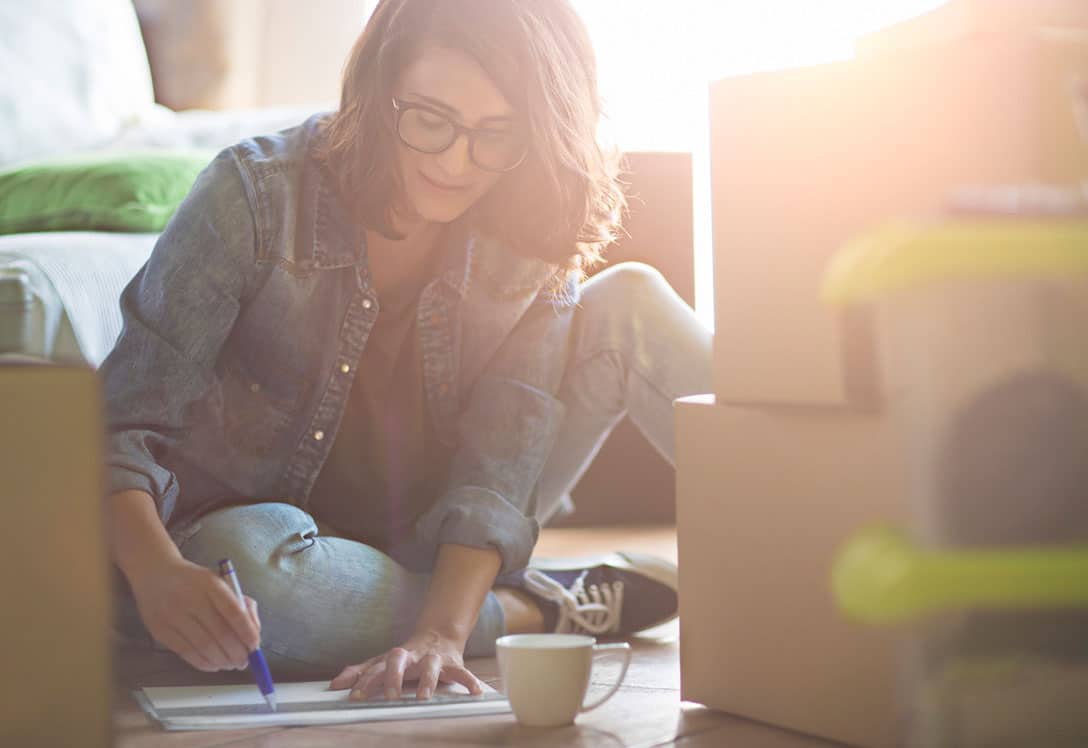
{"x": 582, "y": 610}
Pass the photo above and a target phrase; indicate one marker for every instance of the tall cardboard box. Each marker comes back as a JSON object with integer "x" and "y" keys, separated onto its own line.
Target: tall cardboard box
{"x": 805, "y": 159}
{"x": 764, "y": 499}
{"x": 57, "y": 612}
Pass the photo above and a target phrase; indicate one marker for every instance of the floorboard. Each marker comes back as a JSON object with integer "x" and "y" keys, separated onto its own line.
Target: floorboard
{"x": 646, "y": 711}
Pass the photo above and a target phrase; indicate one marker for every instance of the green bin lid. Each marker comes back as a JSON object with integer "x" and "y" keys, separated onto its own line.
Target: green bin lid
{"x": 905, "y": 255}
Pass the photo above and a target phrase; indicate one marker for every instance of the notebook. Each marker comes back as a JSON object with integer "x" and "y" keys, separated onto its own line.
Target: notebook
{"x": 309, "y": 703}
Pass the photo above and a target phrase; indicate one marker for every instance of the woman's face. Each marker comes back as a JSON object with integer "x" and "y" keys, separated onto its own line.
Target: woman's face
{"x": 439, "y": 187}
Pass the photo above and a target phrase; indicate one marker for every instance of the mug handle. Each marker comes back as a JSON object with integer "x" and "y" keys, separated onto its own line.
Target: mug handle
{"x": 606, "y": 649}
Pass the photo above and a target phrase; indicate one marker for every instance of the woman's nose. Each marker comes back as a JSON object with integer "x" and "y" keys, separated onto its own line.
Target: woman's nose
{"x": 455, "y": 160}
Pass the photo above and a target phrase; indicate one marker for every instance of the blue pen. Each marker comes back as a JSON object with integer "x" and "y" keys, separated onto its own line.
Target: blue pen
{"x": 256, "y": 658}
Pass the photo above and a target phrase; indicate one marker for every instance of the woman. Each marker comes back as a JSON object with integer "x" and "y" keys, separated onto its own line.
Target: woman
{"x": 362, "y": 363}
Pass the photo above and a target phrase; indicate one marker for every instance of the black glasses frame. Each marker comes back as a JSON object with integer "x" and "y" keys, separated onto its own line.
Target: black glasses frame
{"x": 400, "y": 107}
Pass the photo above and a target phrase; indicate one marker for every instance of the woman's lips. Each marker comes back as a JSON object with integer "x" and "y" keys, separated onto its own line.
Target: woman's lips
{"x": 442, "y": 185}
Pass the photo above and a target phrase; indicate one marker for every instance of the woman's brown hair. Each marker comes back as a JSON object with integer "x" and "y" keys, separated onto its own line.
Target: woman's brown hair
{"x": 564, "y": 203}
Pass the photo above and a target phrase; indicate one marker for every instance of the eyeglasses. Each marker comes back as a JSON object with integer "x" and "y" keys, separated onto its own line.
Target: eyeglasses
{"x": 428, "y": 130}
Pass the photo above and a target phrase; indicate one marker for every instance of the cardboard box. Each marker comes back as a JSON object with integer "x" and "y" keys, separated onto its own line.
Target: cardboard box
{"x": 764, "y": 498}
{"x": 959, "y": 18}
{"x": 805, "y": 159}
{"x": 57, "y": 612}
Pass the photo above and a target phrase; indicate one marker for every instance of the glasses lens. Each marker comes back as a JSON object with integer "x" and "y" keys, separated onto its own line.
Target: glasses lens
{"x": 498, "y": 150}
{"x": 425, "y": 131}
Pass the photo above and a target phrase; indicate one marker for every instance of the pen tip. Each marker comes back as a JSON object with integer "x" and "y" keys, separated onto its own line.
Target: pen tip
{"x": 271, "y": 699}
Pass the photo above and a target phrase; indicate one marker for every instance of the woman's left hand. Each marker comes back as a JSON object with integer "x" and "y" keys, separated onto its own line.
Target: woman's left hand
{"x": 428, "y": 656}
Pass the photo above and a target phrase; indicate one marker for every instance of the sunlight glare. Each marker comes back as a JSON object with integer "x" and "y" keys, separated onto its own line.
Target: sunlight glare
{"x": 656, "y": 58}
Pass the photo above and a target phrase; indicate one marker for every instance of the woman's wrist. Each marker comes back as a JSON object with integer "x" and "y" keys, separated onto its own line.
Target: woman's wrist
{"x": 139, "y": 542}
{"x": 453, "y": 632}
{"x": 461, "y": 579}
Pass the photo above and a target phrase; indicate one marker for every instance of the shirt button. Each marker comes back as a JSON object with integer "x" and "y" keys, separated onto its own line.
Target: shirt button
{"x": 254, "y": 387}
{"x": 367, "y": 303}
{"x": 319, "y": 435}
{"x": 344, "y": 368}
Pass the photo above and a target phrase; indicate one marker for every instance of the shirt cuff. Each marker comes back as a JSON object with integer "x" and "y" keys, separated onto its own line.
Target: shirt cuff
{"x": 125, "y": 477}
{"x": 481, "y": 518}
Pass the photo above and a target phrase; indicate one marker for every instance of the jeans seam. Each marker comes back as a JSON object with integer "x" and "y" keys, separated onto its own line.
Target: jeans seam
{"x": 632, "y": 368}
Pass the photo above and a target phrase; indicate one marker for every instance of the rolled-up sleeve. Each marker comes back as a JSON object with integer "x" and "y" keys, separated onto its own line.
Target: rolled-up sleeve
{"x": 177, "y": 312}
{"x": 506, "y": 433}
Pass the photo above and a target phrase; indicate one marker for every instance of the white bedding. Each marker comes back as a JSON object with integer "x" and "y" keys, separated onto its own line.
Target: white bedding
{"x": 77, "y": 277}
{"x": 72, "y": 72}
{"x": 75, "y": 77}
{"x": 159, "y": 127}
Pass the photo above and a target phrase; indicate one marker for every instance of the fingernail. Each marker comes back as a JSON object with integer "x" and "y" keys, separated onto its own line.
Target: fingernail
{"x": 390, "y": 694}
{"x": 424, "y": 693}
{"x": 356, "y": 694}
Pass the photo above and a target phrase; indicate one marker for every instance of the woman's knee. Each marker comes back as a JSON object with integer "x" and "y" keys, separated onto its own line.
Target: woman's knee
{"x": 624, "y": 294}
{"x": 253, "y": 536}
{"x": 627, "y": 287}
{"x": 632, "y": 281}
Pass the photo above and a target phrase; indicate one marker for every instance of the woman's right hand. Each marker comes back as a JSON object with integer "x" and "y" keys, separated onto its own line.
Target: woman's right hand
{"x": 193, "y": 612}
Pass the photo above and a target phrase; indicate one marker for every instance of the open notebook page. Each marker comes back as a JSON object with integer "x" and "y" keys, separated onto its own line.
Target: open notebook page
{"x": 311, "y": 703}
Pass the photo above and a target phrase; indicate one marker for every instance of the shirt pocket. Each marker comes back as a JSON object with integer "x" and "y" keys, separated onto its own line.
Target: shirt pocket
{"x": 257, "y": 407}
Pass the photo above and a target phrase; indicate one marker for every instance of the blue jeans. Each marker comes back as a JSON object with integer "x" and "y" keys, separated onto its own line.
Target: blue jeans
{"x": 328, "y": 601}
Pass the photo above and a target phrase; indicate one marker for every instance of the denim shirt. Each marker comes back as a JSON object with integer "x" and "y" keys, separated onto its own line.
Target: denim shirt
{"x": 242, "y": 333}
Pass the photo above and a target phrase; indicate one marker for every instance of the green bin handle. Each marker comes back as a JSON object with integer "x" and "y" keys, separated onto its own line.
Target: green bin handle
{"x": 878, "y": 576}
{"x": 903, "y": 256}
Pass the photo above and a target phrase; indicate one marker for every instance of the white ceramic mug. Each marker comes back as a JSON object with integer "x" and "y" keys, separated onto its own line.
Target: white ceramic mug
{"x": 546, "y": 676}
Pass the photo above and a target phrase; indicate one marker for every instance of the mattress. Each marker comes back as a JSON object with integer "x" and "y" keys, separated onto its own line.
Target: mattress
{"x": 59, "y": 292}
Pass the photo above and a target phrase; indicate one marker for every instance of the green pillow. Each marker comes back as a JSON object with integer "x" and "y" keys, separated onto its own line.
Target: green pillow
{"x": 129, "y": 191}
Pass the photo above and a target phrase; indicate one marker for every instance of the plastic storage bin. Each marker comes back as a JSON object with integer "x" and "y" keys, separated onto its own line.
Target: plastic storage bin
{"x": 22, "y": 318}
{"x": 982, "y": 329}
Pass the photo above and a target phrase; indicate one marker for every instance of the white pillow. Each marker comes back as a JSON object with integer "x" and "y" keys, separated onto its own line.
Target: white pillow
{"x": 71, "y": 73}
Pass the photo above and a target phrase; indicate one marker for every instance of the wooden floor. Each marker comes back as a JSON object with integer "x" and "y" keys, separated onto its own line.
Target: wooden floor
{"x": 647, "y": 710}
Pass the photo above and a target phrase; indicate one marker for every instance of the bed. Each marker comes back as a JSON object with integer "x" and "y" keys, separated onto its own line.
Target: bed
{"x": 80, "y": 84}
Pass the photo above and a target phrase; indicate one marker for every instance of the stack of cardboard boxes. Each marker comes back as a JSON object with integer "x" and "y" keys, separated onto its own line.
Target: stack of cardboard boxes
{"x": 794, "y": 451}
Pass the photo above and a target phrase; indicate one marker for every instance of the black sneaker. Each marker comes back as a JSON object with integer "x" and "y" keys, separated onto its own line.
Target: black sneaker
{"x": 611, "y": 595}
